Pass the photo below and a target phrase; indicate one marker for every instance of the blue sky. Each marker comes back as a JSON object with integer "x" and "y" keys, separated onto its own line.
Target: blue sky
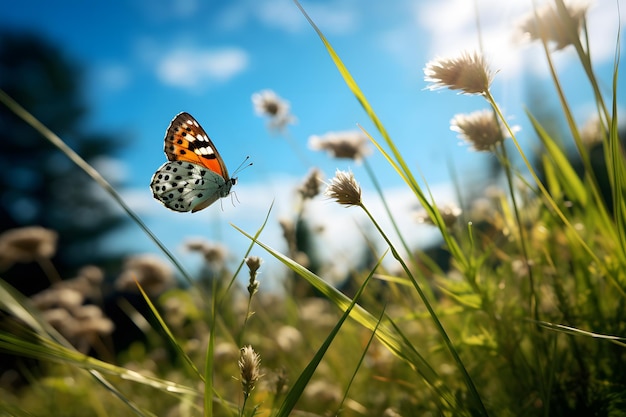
{"x": 148, "y": 60}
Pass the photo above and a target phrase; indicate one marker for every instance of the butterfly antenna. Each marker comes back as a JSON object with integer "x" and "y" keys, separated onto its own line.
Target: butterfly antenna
{"x": 243, "y": 165}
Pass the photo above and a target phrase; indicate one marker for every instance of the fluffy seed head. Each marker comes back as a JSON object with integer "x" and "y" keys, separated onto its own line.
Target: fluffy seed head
{"x": 344, "y": 189}
{"x": 152, "y": 273}
{"x": 468, "y": 72}
{"x": 249, "y": 367}
{"x": 592, "y": 132}
{"x": 26, "y": 244}
{"x": 214, "y": 254}
{"x": 449, "y": 213}
{"x": 480, "y": 129}
{"x": 268, "y": 103}
{"x": 311, "y": 185}
{"x": 254, "y": 263}
{"x": 548, "y": 23}
{"x": 350, "y": 144}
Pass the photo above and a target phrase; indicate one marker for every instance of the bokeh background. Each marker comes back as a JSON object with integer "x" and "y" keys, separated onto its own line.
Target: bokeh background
{"x": 109, "y": 77}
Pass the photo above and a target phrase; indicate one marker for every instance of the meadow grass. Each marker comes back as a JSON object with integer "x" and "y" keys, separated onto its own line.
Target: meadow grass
{"x": 529, "y": 320}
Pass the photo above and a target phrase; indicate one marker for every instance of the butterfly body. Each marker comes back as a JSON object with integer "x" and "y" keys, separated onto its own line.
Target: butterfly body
{"x": 195, "y": 176}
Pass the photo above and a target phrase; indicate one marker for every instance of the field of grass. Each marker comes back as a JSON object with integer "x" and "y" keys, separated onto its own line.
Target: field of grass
{"x": 528, "y": 320}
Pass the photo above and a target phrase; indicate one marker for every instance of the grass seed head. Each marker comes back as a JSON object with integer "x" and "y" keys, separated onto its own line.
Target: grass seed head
{"x": 268, "y": 103}
{"x": 468, "y": 72}
{"x": 350, "y": 144}
{"x": 344, "y": 189}
{"x": 548, "y": 23}
{"x": 311, "y": 185}
{"x": 480, "y": 129}
{"x": 249, "y": 367}
{"x": 27, "y": 244}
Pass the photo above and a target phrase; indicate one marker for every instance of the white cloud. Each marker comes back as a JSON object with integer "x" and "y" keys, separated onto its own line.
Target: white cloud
{"x": 113, "y": 169}
{"x": 280, "y": 14}
{"x": 338, "y": 18}
{"x": 452, "y": 27}
{"x": 196, "y": 68}
{"x": 603, "y": 24}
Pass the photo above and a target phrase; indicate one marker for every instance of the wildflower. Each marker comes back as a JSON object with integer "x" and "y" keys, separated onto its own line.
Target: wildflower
{"x": 323, "y": 394}
{"x": 175, "y": 312}
{"x": 214, "y": 254}
{"x": 592, "y": 132}
{"x": 61, "y": 320}
{"x": 317, "y": 313}
{"x": 82, "y": 325}
{"x": 267, "y": 103}
{"x": 289, "y": 233}
{"x": 87, "y": 282}
{"x": 249, "y": 364}
{"x": 311, "y": 186}
{"x": 26, "y": 244}
{"x": 288, "y": 338}
{"x": 449, "y": 213}
{"x": 351, "y": 144}
{"x": 150, "y": 272}
{"x": 89, "y": 314}
{"x": 480, "y": 129}
{"x": 91, "y": 274}
{"x": 548, "y": 23}
{"x": 344, "y": 189}
{"x": 225, "y": 352}
{"x": 494, "y": 192}
{"x": 49, "y": 298}
{"x": 521, "y": 268}
{"x": 484, "y": 214}
{"x": 279, "y": 381}
{"x": 390, "y": 412}
{"x": 468, "y": 72}
{"x": 91, "y": 324}
{"x": 254, "y": 263}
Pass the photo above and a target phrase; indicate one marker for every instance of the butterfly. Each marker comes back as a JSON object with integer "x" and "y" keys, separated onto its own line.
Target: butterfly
{"x": 195, "y": 175}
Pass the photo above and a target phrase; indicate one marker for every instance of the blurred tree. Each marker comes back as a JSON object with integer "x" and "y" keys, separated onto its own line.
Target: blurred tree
{"x": 39, "y": 185}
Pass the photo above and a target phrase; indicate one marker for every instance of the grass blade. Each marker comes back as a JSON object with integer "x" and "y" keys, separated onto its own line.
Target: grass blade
{"x": 398, "y": 345}
{"x": 298, "y": 387}
{"x": 89, "y": 170}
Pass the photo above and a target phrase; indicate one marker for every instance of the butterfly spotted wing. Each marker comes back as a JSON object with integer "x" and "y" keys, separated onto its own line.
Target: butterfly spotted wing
{"x": 195, "y": 176}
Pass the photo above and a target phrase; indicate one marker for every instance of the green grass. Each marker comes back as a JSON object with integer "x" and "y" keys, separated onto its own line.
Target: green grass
{"x": 529, "y": 320}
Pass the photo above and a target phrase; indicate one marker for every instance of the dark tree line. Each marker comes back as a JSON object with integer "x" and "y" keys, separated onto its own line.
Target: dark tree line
{"x": 38, "y": 184}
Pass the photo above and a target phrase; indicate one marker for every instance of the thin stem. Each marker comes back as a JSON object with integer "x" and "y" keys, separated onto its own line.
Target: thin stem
{"x": 378, "y": 188}
{"x": 243, "y": 406}
{"x": 49, "y": 269}
{"x": 522, "y": 235}
{"x": 438, "y": 325}
{"x": 245, "y": 321}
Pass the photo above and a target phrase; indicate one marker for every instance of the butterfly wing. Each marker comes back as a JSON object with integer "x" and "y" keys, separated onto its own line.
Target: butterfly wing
{"x": 183, "y": 186}
{"x": 195, "y": 176}
{"x": 186, "y": 140}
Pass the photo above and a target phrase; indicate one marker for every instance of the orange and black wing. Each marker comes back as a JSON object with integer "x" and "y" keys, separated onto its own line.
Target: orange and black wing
{"x": 186, "y": 140}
